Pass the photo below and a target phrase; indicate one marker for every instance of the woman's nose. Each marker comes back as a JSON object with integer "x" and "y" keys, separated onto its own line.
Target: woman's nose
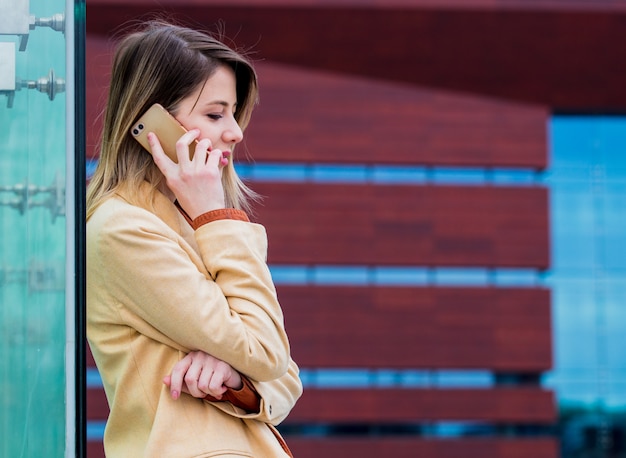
{"x": 233, "y": 133}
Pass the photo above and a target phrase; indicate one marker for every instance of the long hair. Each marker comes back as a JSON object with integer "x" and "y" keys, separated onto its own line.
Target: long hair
{"x": 163, "y": 63}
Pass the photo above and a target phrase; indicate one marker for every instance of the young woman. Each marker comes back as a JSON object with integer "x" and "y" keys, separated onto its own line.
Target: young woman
{"x": 182, "y": 315}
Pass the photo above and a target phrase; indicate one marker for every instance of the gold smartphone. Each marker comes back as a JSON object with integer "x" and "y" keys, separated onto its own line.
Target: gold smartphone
{"x": 167, "y": 129}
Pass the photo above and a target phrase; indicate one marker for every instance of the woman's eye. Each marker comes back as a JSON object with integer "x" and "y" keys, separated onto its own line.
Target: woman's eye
{"x": 215, "y": 117}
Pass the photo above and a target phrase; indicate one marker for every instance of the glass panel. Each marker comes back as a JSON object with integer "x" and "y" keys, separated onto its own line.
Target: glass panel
{"x": 587, "y": 180}
{"x": 32, "y": 221}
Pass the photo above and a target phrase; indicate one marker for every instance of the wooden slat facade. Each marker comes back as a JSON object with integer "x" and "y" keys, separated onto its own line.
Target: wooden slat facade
{"x": 499, "y": 329}
{"x": 314, "y": 116}
{"x": 412, "y": 448}
{"x": 397, "y": 406}
{"x": 406, "y": 225}
{"x": 306, "y": 117}
{"x": 475, "y": 46}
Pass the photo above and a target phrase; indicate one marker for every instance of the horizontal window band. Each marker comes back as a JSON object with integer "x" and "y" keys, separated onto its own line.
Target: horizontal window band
{"x": 436, "y": 429}
{"x": 95, "y": 430}
{"x": 406, "y": 276}
{"x": 92, "y": 378}
{"x": 427, "y": 430}
{"x": 412, "y": 379}
{"x": 386, "y": 174}
{"x": 379, "y": 174}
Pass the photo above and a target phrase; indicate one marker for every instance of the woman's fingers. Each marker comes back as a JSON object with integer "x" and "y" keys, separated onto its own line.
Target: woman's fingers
{"x": 199, "y": 374}
{"x": 193, "y": 374}
{"x": 202, "y": 152}
{"x": 177, "y": 377}
{"x": 182, "y": 145}
{"x": 211, "y": 382}
{"x": 211, "y": 378}
{"x": 163, "y": 162}
{"x": 221, "y": 372}
{"x": 196, "y": 182}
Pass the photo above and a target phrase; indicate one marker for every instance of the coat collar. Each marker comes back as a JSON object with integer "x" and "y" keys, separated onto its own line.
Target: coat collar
{"x": 159, "y": 204}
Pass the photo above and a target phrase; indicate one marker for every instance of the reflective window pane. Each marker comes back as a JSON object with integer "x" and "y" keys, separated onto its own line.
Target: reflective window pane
{"x": 33, "y": 227}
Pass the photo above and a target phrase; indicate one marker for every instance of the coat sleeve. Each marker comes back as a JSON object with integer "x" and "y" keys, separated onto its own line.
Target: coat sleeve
{"x": 278, "y": 397}
{"x": 232, "y": 314}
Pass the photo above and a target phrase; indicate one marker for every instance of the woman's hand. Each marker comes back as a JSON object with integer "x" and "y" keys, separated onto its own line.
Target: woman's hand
{"x": 199, "y": 374}
{"x": 196, "y": 182}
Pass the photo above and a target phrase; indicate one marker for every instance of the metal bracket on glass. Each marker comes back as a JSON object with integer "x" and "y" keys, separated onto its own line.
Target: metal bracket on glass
{"x": 49, "y": 84}
{"x": 55, "y": 22}
{"x": 54, "y": 197}
{"x": 7, "y": 71}
{"x": 9, "y": 84}
{"x": 15, "y": 19}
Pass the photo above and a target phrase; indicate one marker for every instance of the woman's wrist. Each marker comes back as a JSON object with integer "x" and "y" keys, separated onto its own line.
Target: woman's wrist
{"x": 215, "y": 215}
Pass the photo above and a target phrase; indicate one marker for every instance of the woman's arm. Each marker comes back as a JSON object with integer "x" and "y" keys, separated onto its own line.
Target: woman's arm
{"x": 223, "y": 303}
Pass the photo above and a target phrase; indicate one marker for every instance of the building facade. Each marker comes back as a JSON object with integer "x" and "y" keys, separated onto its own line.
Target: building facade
{"x": 443, "y": 189}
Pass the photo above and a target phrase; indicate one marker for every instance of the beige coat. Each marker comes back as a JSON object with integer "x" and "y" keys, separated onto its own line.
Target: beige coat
{"x": 157, "y": 289}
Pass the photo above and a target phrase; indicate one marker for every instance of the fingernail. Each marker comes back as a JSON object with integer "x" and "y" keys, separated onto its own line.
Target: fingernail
{"x": 174, "y": 394}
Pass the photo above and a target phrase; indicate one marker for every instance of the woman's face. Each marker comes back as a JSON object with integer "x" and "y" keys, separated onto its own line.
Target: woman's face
{"x": 211, "y": 109}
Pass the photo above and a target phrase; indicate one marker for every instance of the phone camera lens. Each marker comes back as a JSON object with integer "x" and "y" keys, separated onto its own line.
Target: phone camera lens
{"x": 136, "y": 131}
{"x": 140, "y": 126}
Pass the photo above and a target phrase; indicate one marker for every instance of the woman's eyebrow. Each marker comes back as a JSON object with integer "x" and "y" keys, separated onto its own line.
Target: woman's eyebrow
{"x": 221, "y": 103}
{"x": 217, "y": 102}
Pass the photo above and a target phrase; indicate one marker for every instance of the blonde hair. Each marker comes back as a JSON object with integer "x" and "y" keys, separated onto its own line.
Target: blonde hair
{"x": 163, "y": 63}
